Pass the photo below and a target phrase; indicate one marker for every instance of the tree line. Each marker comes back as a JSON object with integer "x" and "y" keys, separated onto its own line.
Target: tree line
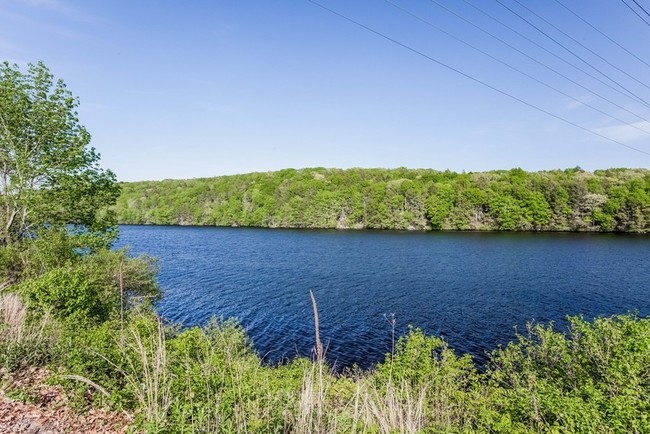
{"x": 401, "y": 199}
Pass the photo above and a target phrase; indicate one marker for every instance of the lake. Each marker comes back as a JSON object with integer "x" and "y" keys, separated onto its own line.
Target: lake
{"x": 474, "y": 289}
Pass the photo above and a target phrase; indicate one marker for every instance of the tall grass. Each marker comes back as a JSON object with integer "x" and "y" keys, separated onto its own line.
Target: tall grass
{"x": 25, "y": 339}
{"x": 312, "y": 412}
{"x": 593, "y": 378}
{"x": 13, "y": 313}
{"x": 143, "y": 364}
{"x": 396, "y": 409}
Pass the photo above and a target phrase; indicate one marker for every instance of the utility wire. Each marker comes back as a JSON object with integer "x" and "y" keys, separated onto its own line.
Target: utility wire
{"x": 581, "y": 44}
{"x": 430, "y": 24}
{"x": 603, "y": 34}
{"x": 568, "y": 50}
{"x": 523, "y": 53}
{"x": 635, "y": 12}
{"x": 451, "y": 68}
{"x": 641, "y": 7}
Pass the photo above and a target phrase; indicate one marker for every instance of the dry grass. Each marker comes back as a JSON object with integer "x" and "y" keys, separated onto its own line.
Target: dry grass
{"x": 147, "y": 373}
{"x": 13, "y": 313}
{"x": 389, "y": 409}
{"x": 312, "y": 401}
{"x": 23, "y": 341}
{"x": 396, "y": 409}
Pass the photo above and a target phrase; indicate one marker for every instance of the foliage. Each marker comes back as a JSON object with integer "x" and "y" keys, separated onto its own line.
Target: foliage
{"x": 426, "y": 365}
{"x": 94, "y": 287}
{"x": 69, "y": 291}
{"x": 569, "y": 200}
{"x": 49, "y": 176}
{"x": 594, "y": 378}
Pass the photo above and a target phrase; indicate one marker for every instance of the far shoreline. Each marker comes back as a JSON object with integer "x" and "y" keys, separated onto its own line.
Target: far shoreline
{"x": 403, "y": 231}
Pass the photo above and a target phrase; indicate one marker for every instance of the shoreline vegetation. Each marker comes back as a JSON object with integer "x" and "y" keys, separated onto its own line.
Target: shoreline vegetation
{"x": 572, "y": 200}
{"x": 131, "y": 370}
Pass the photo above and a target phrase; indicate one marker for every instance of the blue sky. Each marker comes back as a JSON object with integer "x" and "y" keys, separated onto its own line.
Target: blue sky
{"x": 173, "y": 89}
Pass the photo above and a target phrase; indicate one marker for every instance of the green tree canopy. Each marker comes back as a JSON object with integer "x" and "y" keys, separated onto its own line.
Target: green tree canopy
{"x": 421, "y": 199}
{"x": 49, "y": 176}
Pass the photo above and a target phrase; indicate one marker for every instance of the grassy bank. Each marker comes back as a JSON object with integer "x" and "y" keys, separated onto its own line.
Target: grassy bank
{"x": 592, "y": 378}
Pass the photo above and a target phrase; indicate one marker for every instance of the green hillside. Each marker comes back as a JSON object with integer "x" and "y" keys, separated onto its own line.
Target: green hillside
{"x": 415, "y": 199}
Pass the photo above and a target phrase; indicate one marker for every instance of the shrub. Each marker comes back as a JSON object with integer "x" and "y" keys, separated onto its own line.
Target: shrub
{"x": 594, "y": 378}
{"x": 69, "y": 292}
{"x": 94, "y": 288}
{"x": 425, "y": 371}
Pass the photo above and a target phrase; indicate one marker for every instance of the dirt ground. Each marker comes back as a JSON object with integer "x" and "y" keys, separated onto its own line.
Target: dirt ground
{"x": 48, "y": 410}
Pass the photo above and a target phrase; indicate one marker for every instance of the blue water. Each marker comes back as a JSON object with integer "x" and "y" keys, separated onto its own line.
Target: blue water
{"x": 473, "y": 289}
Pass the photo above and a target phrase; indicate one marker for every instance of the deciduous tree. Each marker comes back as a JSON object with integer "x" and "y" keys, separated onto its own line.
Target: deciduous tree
{"x": 49, "y": 175}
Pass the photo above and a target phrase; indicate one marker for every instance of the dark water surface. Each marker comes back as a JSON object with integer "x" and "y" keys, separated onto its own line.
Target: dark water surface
{"x": 471, "y": 288}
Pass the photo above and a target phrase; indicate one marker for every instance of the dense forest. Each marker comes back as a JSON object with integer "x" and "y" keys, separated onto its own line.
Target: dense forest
{"x": 412, "y": 199}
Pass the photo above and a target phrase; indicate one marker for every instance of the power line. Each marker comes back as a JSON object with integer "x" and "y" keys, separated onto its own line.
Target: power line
{"x": 635, "y": 12}
{"x": 451, "y": 68}
{"x": 568, "y": 50}
{"x": 580, "y": 43}
{"x": 641, "y": 7}
{"x": 603, "y": 34}
{"x": 542, "y": 64}
{"x": 429, "y": 23}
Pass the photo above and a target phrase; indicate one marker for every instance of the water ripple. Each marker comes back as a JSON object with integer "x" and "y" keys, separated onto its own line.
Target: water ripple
{"x": 471, "y": 288}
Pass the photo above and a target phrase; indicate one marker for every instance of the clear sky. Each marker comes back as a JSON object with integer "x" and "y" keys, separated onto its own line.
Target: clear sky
{"x": 186, "y": 89}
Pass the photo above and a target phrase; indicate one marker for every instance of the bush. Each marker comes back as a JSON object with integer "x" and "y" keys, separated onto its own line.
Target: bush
{"x": 94, "y": 288}
{"x": 36, "y": 256}
{"x": 218, "y": 380}
{"x": 70, "y": 292}
{"x": 593, "y": 379}
{"x": 425, "y": 365}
